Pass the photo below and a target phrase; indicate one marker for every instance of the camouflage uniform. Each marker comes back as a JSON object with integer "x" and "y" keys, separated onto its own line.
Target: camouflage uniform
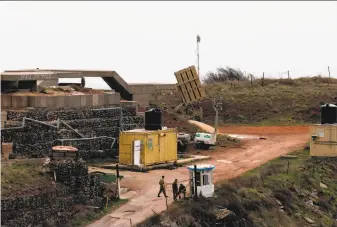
{"x": 162, "y": 188}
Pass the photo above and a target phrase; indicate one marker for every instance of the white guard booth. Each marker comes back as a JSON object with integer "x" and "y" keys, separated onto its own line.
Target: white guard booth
{"x": 204, "y": 179}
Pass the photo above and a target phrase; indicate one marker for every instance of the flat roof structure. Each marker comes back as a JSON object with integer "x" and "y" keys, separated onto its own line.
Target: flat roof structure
{"x": 112, "y": 78}
{"x": 38, "y": 75}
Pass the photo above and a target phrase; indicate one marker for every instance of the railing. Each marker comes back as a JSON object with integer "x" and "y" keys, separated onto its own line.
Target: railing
{"x": 89, "y": 138}
{"x": 57, "y": 126}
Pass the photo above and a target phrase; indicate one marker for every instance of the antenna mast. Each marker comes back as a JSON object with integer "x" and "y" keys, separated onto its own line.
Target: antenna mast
{"x": 198, "y": 41}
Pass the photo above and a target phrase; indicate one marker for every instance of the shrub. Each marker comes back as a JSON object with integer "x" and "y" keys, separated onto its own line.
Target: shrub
{"x": 224, "y": 75}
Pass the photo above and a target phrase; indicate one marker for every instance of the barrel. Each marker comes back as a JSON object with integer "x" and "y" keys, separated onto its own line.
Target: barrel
{"x": 328, "y": 114}
{"x": 153, "y": 119}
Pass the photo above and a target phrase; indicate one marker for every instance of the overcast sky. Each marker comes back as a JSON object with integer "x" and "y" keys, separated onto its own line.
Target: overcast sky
{"x": 148, "y": 41}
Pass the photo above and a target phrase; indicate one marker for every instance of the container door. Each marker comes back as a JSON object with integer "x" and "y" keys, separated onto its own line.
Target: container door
{"x": 162, "y": 148}
{"x": 136, "y": 152}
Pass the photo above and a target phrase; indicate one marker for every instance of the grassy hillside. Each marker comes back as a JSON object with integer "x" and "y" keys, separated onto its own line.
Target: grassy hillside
{"x": 303, "y": 194}
{"x": 278, "y": 101}
{"x": 23, "y": 177}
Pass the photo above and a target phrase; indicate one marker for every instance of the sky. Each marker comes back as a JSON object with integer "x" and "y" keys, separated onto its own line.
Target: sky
{"x": 146, "y": 42}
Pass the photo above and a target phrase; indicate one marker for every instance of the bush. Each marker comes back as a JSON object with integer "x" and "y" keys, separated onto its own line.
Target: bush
{"x": 224, "y": 75}
{"x": 286, "y": 197}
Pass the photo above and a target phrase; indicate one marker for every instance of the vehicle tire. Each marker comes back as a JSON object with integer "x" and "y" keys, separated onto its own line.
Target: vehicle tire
{"x": 205, "y": 146}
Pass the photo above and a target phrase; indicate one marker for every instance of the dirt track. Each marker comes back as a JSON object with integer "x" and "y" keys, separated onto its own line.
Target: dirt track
{"x": 265, "y": 130}
{"x": 229, "y": 163}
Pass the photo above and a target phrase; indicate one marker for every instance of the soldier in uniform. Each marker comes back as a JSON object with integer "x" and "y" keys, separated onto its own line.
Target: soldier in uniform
{"x": 162, "y": 187}
{"x": 182, "y": 189}
{"x": 175, "y": 189}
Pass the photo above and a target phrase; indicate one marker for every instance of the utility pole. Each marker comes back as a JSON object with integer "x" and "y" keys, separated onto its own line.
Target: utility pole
{"x": 117, "y": 181}
{"x": 198, "y": 41}
{"x": 195, "y": 182}
{"x": 329, "y": 70}
{"x": 217, "y": 106}
{"x": 251, "y": 80}
{"x": 329, "y": 76}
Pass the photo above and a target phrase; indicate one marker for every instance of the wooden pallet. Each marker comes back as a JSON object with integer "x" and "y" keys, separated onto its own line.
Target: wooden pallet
{"x": 189, "y": 85}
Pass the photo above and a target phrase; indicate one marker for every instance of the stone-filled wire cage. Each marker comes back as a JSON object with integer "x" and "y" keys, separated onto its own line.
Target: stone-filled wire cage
{"x": 88, "y": 129}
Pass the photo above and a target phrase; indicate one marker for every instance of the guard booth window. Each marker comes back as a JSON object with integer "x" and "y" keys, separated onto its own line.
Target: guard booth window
{"x": 205, "y": 179}
{"x": 198, "y": 180}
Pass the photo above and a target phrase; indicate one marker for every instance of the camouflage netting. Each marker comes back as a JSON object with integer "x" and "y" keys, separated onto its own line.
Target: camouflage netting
{"x": 36, "y": 140}
{"x": 55, "y": 206}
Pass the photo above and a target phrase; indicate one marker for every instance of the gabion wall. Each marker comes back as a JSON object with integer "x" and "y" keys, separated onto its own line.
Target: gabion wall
{"x": 55, "y": 206}
{"x": 36, "y": 140}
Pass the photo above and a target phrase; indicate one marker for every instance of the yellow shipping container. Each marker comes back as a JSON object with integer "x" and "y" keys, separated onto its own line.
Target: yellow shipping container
{"x": 323, "y": 140}
{"x": 157, "y": 146}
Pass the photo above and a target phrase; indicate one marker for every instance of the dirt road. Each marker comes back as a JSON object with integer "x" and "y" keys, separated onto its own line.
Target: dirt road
{"x": 230, "y": 162}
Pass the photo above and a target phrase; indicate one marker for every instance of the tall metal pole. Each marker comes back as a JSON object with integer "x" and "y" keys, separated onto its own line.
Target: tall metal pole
{"x": 329, "y": 70}
{"x": 195, "y": 182}
{"x": 198, "y": 41}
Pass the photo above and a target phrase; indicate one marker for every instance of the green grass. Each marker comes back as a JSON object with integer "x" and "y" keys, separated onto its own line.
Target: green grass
{"x": 21, "y": 176}
{"x": 108, "y": 178}
{"x": 253, "y": 196}
{"x": 85, "y": 218}
{"x": 279, "y": 102}
{"x": 274, "y": 103}
{"x": 98, "y": 162}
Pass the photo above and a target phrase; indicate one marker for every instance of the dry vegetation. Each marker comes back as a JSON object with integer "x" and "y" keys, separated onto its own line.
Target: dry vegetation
{"x": 260, "y": 101}
{"x": 278, "y": 101}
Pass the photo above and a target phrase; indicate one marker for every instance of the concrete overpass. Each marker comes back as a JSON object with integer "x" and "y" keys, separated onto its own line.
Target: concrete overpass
{"x": 50, "y": 76}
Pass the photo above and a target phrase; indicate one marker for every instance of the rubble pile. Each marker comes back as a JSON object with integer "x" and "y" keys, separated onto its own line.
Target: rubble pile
{"x": 36, "y": 140}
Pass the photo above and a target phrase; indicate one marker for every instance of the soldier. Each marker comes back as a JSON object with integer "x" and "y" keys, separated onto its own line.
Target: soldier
{"x": 175, "y": 189}
{"x": 162, "y": 187}
{"x": 182, "y": 189}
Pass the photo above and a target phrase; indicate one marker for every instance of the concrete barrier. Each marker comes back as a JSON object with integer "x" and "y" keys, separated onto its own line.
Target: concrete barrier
{"x": 72, "y": 101}
{"x": 89, "y": 100}
{"x": 38, "y": 101}
{"x": 19, "y": 101}
{"x": 60, "y": 101}
{"x": 101, "y": 100}
{"x": 116, "y": 98}
{"x": 75, "y": 101}
{"x": 84, "y": 100}
{"x": 51, "y": 101}
{"x": 107, "y": 98}
{"x": 95, "y": 100}
{"x": 6, "y": 101}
